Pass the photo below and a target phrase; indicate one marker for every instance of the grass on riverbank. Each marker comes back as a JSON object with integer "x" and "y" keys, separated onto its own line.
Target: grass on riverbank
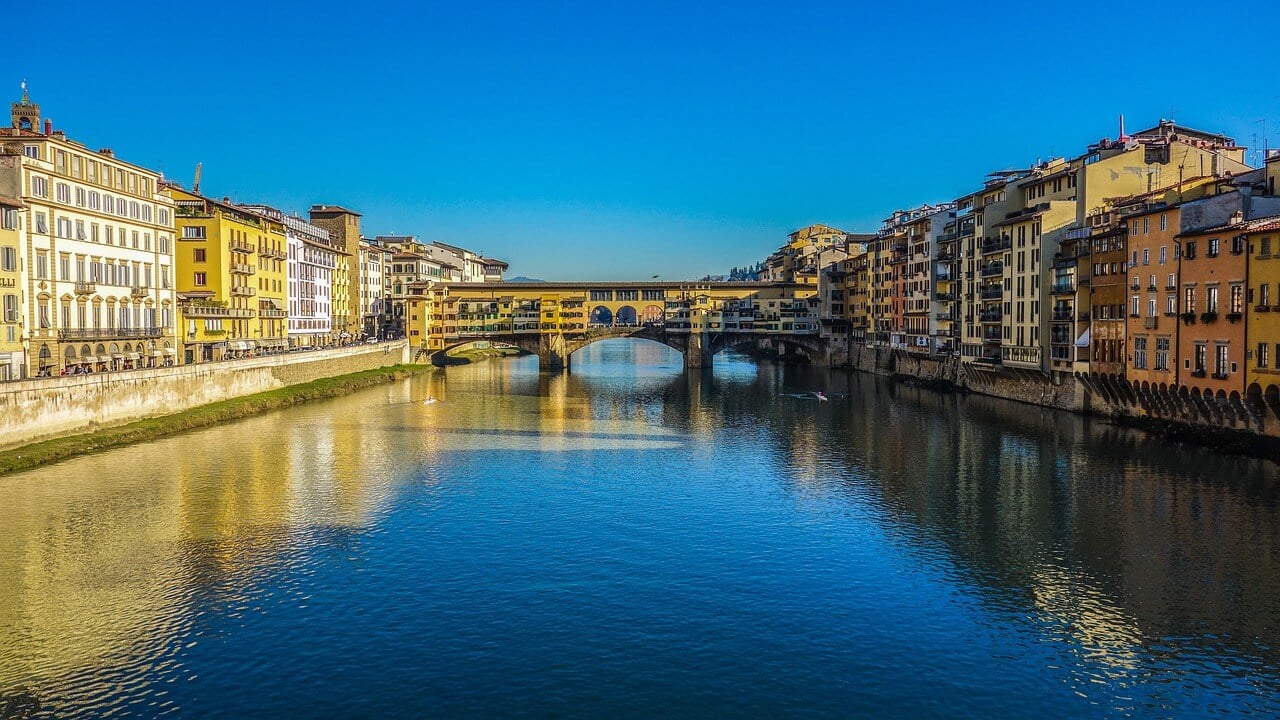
{"x": 28, "y": 456}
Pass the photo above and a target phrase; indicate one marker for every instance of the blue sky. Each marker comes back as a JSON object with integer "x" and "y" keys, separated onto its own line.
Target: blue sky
{"x": 612, "y": 141}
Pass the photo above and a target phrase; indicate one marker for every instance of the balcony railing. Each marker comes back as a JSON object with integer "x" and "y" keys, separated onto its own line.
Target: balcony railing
{"x": 214, "y": 311}
{"x": 1063, "y": 315}
{"x": 243, "y": 269}
{"x": 992, "y": 269}
{"x": 995, "y": 246}
{"x": 243, "y": 291}
{"x": 112, "y": 333}
{"x": 139, "y": 291}
{"x": 991, "y": 316}
{"x": 241, "y": 246}
{"x": 1063, "y": 288}
{"x": 86, "y": 288}
{"x": 992, "y": 292}
{"x": 1150, "y": 323}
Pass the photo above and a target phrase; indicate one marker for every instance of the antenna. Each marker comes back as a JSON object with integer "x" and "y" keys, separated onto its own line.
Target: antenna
{"x": 195, "y": 186}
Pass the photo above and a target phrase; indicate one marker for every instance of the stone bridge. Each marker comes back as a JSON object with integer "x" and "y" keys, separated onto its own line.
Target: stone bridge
{"x": 697, "y": 348}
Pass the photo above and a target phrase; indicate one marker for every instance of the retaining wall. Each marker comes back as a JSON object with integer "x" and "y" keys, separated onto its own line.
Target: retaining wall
{"x": 32, "y": 410}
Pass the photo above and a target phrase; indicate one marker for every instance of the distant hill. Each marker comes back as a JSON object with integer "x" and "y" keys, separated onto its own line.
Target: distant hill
{"x": 523, "y": 279}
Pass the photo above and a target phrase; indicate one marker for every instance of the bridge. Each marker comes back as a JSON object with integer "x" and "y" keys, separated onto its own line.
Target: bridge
{"x": 556, "y": 319}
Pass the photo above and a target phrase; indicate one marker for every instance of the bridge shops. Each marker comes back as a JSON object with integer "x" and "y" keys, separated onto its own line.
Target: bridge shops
{"x": 554, "y": 319}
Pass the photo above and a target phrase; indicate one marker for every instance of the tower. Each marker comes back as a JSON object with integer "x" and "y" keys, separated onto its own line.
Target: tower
{"x": 24, "y": 114}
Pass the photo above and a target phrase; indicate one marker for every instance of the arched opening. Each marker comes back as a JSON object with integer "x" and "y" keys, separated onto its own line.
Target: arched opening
{"x": 652, "y": 315}
{"x": 626, "y": 316}
{"x": 601, "y": 315}
{"x": 626, "y": 356}
{"x": 45, "y": 361}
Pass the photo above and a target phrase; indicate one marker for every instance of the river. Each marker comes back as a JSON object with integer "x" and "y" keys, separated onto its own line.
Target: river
{"x": 629, "y": 540}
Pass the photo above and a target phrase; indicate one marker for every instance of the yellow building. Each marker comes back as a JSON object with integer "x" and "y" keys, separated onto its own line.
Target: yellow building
{"x": 12, "y": 365}
{"x": 97, "y": 248}
{"x": 231, "y": 279}
{"x": 1262, "y": 323}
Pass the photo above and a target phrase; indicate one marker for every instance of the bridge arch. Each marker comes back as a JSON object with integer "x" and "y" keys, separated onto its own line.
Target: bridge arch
{"x": 601, "y": 315}
{"x": 626, "y": 316}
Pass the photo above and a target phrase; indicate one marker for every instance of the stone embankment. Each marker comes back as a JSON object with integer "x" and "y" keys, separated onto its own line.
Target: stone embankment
{"x": 1238, "y": 424}
{"x": 35, "y": 410}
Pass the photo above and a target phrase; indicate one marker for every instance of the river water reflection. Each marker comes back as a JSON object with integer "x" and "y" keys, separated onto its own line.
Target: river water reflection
{"x": 629, "y": 541}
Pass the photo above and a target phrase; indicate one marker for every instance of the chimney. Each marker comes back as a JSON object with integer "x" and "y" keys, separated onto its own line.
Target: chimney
{"x": 108, "y": 152}
{"x": 48, "y": 126}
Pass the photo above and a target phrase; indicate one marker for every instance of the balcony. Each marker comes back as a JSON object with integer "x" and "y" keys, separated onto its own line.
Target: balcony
{"x": 243, "y": 291}
{"x": 1150, "y": 323}
{"x": 991, "y": 292}
{"x": 995, "y": 246}
{"x": 1067, "y": 287}
{"x": 272, "y": 313}
{"x": 215, "y": 311}
{"x": 1063, "y": 315}
{"x": 945, "y": 257}
{"x": 991, "y": 316}
{"x": 112, "y": 333}
{"x": 86, "y": 288}
{"x": 944, "y": 297}
{"x": 243, "y": 269}
{"x": 139, "y": 291}
{"x": 992, "y": 269}
{"x": 1065, "y": 262}
{"x": 991, "y": 334}
{"x": 946, "y": 317}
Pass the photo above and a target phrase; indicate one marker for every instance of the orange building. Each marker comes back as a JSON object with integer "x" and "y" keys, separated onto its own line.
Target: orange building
{"x": 1213, "y": 270}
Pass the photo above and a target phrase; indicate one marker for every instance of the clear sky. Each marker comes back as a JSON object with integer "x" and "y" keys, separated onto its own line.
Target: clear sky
{"x": 613, "y": 141}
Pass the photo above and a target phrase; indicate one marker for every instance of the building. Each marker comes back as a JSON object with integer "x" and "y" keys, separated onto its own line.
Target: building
{"x": 344, "y": 232}
{"x": 231, "y": 277}
{"x": 313, "y": 258}
{"x": 373, "y": 261}
{"x": 12, "y": 283}
{"x": 96, "y": 244}
{"x": 1262, "y": 326}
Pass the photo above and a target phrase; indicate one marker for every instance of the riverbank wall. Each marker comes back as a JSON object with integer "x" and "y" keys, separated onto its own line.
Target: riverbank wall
{"x": 1167, "y": 410}
{"x": 35, "y": 410}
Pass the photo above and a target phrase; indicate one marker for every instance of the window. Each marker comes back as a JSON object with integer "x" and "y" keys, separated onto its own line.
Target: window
{"x": 198, "y": 255}
{"x": 1140, "y": 353}
{"x": 1213, "y": 248}
{"x": 1189, "y": 252}
{"x": 42, "y": 225}
{"x": 1164, "y": 254}
{"x": 1237, "y": 299}
{"x": 1146, "y": 256}
{"x": 1264, "y": 246}
{"x": 1134, "y": 310}
{"x": 1171, "y": 305}
{"x": 1262, "y": 355}
{"x": 32, "y": 151}
{"x": 1146, "y": 226}
{"x": 1202, "y": 356}
{"x": 190, "y": 231}
{"x": 1164, "y": 223}
{"x": 42, "y": 264}
{"x": 64, "y": 267}
{"x": 62, "y": 192}
{"x": 1162, "y": 353}
{"x": 199, "y": 279}
{"x": 11, "y": 308}
{"x": 1221, "y": 362}
{"x": 63, "y": 227}
{"x": 39, "y": 187}
{"x": 1211, "y": 299}
{"x": 1189, "y": 300}
{"x": 9, "y": 218}
{"x": 8, "y": 259}
{"x": 1151, "y": 307}
{"x": 164, "y": 216}
{"x": 1264, "y": 294}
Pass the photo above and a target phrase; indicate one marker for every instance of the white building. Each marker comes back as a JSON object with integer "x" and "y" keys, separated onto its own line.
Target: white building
{"x": 310, "y": 267}
{"x": 373, "y": 287}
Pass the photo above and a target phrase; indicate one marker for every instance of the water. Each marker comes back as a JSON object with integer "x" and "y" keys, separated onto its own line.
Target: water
{"x": 631, "y": 541}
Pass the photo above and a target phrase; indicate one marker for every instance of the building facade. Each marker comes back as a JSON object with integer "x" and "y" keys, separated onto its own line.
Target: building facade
{"x": 343, "y": 226}
{"x": 96, "y": 248}
{"x": 312, "y": 260}
{"x": 12, "y": 284}
{"x": 231, "y": 278}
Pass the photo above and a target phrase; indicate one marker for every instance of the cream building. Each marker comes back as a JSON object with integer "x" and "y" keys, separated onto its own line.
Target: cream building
{"x": 97, "y": 243}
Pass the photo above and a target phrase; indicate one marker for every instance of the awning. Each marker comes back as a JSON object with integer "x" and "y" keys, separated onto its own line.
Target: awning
{"x": 88, "y": 359}
{"x": 1083, "y": 340}
{"x": 132, "y": 356}
{"x": 117, "y": 356}
{"x": 170, "y": 351}
{"x": 236, "y": 345}
{"x": 249, "y": 345}
{"x": 156, "y": 353}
